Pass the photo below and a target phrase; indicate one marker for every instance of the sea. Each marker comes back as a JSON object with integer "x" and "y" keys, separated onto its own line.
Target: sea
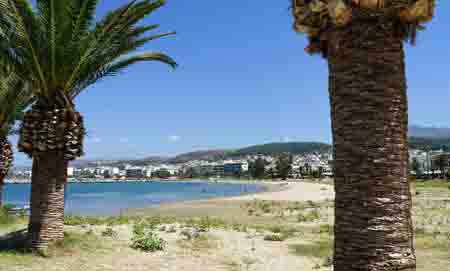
{"x": 114, "y": 198}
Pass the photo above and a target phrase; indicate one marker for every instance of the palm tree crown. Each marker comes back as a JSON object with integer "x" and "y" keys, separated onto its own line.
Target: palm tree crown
{"x": 316, "y": 17}
{"x": 61, "y": 50}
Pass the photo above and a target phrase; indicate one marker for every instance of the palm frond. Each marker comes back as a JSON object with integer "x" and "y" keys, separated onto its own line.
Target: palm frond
{"x": 120, "y": 65}
{"x": 59, "y": 49}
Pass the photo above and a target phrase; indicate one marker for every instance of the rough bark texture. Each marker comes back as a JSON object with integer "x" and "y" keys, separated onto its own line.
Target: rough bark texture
{"x": 47, "y": 199}
{"x": 373, "y": 229}
{"x": 52, "y": 137}
{"x": 6, "y": 159}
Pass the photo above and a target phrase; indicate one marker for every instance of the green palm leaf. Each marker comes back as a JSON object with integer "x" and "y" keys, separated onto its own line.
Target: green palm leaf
{"x": 60, "y": 50}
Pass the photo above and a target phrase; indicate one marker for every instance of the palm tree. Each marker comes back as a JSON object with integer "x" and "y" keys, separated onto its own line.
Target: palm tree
{"x": 15, "y": 97}
{"x": 59, "y": 48}
{"x": 363, "y": 43}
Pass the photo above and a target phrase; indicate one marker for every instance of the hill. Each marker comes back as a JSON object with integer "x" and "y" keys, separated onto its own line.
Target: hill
{"x": 424, "y": 143}
{"x": 208, "y": 155}
{"x": 416, "y": 131}
{"x": 278, "y": 148}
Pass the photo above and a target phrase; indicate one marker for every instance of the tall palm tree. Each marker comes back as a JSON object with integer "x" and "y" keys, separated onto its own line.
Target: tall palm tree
{"x": 363, "y": 43}
{"x": 15, "y": 97}
{"x": 59, "y": 48}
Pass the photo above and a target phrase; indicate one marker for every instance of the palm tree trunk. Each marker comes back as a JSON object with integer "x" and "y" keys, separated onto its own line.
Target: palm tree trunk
{"x": 6, "y": 158}
{"x": 47, "y": 199}
{"x": 2, "y": 185}
{"x": 368, "y": 98}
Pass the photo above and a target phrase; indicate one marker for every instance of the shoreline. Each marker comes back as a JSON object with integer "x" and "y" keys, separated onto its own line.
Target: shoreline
{"x": 142, "y": 180}
{"x": 275, "y": 192}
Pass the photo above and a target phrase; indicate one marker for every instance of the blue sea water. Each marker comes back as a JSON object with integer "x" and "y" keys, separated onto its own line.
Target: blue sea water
{"x": 113, "y": 198}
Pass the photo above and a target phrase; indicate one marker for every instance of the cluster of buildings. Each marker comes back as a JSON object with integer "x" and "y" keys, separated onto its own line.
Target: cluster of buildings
{"x": 126, "y": 171}
{"x": 429, "y": 162}
{"x": 424, "y": 162}
{"x": 301, "y": 164}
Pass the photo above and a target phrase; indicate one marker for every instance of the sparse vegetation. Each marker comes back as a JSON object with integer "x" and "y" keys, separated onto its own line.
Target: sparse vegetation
{"x": 146, "y": 239}
{"x": 309, "y": 216}
{"x": 109, "y": 232}
{"x": 203, "y": 243}
{"x": 275, "y": 237}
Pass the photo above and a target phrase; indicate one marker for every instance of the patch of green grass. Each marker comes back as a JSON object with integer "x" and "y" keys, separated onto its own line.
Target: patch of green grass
{"x": 73, "y": 220}
{"x": 432, "y": 184}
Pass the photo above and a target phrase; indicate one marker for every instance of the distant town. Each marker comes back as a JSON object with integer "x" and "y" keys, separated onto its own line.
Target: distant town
{"x": 250, "y": 166}
{"x": 428, "y": 157}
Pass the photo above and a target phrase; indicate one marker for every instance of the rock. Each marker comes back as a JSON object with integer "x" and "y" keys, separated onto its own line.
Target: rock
{"x": 163, "y": 228}
{"x": 190, "y": 234}
{"x": 171, "y": 229}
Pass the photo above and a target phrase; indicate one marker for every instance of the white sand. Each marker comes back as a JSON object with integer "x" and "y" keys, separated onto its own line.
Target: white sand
{"x": 294, "y": 191}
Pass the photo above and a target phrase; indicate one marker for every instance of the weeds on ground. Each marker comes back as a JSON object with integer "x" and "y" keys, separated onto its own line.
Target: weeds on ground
{"x": 109, "y": 232}
{"x": 309, "y": 216}
{"x": 74, "y": 220}
{"x": 145, "y": 238}
{"x": 203, "y": 242}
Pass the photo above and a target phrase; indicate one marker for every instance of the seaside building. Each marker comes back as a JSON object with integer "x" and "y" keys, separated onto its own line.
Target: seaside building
{"x": 134, "y": 172}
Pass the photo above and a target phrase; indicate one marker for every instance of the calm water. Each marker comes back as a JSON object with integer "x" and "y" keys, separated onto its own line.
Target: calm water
{"x": 112, "y": 198}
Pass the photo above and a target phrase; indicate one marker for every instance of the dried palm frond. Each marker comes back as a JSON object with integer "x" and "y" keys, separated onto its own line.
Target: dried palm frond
{"x": 52, "y": 130}
{"x": 421, "y": 11}
{"x": 6, "y": 157}
{"x": 340, "y": 12}
{"x": 316, "y": 17}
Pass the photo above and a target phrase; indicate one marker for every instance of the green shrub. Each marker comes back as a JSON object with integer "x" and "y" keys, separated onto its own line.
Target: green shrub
{"x": 145, "y": 239}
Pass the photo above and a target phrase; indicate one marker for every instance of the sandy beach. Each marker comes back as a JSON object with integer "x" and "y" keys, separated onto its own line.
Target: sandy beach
{"x": 287, "y": 228}
{"x": 293, "y": 191}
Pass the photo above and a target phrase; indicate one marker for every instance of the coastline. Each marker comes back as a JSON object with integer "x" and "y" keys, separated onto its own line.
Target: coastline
{"x": 142, "y": 180}
{"x": 232, "y": 206}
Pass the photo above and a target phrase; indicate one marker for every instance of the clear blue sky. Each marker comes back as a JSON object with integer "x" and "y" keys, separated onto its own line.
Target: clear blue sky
{"x": 243, "y": 79}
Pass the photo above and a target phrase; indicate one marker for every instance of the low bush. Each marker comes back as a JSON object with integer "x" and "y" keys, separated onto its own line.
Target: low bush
{"x": 146, "y": 239}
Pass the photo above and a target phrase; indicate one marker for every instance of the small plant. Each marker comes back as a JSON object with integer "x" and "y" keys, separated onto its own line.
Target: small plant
{"x": 275, "y": 237}
{"x": 109, "y": 232}
{"x": 308, "y": 217}
{"x": 145, "y": 239}
{"x": 266, "y": 207}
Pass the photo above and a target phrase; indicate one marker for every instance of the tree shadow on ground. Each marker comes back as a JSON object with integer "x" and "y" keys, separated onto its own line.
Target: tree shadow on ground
{"x": 14, "y": 241}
